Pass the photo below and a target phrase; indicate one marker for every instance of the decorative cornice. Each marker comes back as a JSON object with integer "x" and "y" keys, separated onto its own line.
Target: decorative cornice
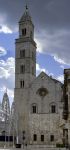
{"x": 26, "y": 39}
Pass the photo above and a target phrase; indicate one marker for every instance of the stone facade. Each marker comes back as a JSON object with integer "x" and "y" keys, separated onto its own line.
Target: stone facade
{"x": 39, "y": 101}
{"x": 44, "y": 122}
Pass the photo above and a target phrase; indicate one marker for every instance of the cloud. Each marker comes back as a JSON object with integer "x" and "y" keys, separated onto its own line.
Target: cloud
{"x": 8, "y": 65}
{"x": 45, "y": 13}
{"x": 7, "y": 77}
{"x": 3, "y": 18}
{"x": 62, "y": 66}
{"x": 3, "y": 73}
{"x": 56, "y": 44}
{"x": 7, "y": 68}
{"x": 39, "y": 46}
{"x": 60, "y": 78}
{"x": 2, "y": 51}
{"x": 52, "y": 24}
{"x": 5, "y": 29}
{"x": 39, "y": 69}
{"x": 58, "y": 59}
{"x": 4, "y": 25}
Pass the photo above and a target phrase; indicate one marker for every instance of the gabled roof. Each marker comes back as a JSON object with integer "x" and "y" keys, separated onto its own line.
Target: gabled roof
{"x": 43, "y": 75}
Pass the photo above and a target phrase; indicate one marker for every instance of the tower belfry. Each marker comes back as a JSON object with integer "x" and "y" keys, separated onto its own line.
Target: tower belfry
{"x": 25, "y": 68}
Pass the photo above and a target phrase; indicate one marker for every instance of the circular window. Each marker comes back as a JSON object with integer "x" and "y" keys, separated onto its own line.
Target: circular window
{"x": 42, "y": 91}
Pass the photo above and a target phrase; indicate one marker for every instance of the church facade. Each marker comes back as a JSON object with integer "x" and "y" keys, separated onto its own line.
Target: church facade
{"x": 42, "y": 104}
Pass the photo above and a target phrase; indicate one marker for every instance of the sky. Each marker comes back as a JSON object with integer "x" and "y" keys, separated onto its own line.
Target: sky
{"x": 51, "y": 19}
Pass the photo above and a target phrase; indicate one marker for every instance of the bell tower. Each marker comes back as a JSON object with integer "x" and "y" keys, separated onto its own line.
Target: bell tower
{"x": 25, "y": 61}
{"x": 25, "y": 71}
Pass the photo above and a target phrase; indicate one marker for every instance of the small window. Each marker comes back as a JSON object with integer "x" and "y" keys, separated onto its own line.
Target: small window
{"x": 53, "y": 109}
{"x": 42, "y": 138}
{"x": 24, "y": 32}
{"x": 22, "y": 53}
{"x": 22, "y": 84}
{"x": 35, "y": 137}
{"x": 52, "y": 138}
{"x": 22, "y": 69}
{"x": 34, "y": 109}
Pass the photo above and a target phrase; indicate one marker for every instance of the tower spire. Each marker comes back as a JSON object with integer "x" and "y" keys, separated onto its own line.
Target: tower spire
{"x": 26, "y": 4}
{"x": 26, "y": 16}
{"x": 26, "y": 7}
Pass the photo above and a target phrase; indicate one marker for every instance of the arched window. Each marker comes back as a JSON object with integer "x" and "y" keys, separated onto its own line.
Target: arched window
{"x": 42, "y": 137}
{"x": 22, "y": 53}
{"x": 51, "y": 138}
{"x": 35, "y": 137}
{"x": 24, "y": 31}
{"x": 53, "y": 107}
{"x": 34, "y": 108}
{"x": 22, "y": 84}
{"x": 22, "y": 69}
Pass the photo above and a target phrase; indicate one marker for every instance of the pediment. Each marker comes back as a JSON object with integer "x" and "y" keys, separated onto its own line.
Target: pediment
{"x": 43, "y": 81}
